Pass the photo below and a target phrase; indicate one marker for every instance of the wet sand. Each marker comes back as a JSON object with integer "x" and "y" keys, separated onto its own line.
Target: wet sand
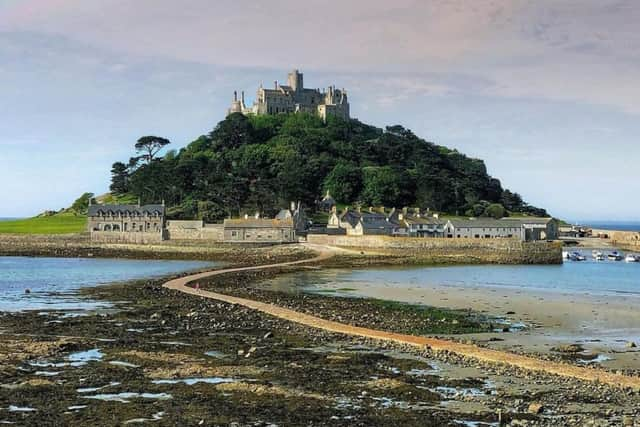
{"x": 601, "y": 324}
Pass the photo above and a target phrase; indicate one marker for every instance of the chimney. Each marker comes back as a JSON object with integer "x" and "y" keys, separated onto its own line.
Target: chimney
{"x": 235, "y": 95}
{"x": 242, "y": 97}
{"x": 257, "y": 215}
{"x": 138, "y": 201}
{"x": 275, "y": 84}
{"x": 371, "y": 209}
{"x": 293, "y": 207}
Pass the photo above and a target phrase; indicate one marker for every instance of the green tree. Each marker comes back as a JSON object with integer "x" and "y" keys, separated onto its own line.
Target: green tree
{"x": 387, "y": 186}
{"x": 344, "y": 182}
{"x": 119, "y": 178}
{"x": 81, "y": 205}
{"x": 495, "y": 210}
{"x": 149, "y": 146}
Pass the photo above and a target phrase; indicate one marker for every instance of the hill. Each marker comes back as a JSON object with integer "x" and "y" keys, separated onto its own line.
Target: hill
{"x": 59, "y": 223}
{"x": 263, "y": 162}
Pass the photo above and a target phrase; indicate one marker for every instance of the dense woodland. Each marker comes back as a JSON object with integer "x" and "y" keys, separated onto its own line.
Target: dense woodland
{"x": 263, "y": 162}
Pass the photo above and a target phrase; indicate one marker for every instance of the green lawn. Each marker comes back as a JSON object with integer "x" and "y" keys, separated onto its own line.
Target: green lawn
{"x": 56, "y": 224}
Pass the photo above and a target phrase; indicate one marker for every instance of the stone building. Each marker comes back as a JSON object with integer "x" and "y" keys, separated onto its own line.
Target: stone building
{"x": 126, "y": 223}
{"x": 361, "y": 223}
{"x": 293, "y": 98}
{"x": 525, "y": 229}
{"x": 418, "y": 224}
{"x": 258, "y": 230}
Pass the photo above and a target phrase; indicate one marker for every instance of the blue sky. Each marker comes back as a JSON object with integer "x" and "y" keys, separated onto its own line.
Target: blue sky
{"x": 545, "y": 92}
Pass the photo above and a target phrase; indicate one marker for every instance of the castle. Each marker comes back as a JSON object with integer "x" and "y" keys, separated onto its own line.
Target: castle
{"x": 293, "y": 98}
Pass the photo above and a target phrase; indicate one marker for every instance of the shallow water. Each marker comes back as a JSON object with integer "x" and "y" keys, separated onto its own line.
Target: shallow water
{"x": 596, "y": 278}
{"x": 51, "y": 282}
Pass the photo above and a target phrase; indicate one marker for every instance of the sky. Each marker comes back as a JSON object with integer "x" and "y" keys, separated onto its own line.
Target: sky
{"x": 546, "y": 92}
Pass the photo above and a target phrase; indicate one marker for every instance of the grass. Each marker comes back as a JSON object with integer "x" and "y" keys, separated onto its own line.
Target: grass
{"x": 55, "y": 224}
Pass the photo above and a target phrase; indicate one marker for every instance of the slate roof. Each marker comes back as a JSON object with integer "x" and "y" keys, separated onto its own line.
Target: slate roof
{"x": 257, "y": 223}
{"x": 497, "y": 223}
{"x": 126, "y": 210}
{"x": 423, "y": 220}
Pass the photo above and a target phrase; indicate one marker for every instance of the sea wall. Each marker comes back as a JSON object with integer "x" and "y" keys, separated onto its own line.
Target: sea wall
{"x": 442, "y": 250}
{"x": 127, "y": 237}
{"x": 81, "y": 245}
{"x": 623, "y": 239}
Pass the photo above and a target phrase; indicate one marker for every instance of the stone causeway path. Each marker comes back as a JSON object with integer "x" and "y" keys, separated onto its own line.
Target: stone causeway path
{"x": 437, "y": 345}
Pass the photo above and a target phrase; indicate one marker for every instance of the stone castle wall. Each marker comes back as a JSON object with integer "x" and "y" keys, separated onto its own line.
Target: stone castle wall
{"x": 442, "y": 250}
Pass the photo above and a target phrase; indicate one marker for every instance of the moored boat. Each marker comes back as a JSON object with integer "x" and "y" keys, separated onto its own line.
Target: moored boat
{"x": 598, "y": 256}
{"x": 632, "y": 258}
{"x": 615, "y": 256}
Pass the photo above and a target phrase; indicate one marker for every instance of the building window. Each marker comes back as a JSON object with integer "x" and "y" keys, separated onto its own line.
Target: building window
{"x": 234, "y": 234}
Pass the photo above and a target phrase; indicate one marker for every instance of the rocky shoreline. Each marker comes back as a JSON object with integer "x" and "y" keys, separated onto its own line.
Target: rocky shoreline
{"x": 164, "y": 357}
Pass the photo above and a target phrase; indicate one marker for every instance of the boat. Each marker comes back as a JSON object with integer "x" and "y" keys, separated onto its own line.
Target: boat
{"x": 632, "y": 258}
{"x": 615, "y": 256}
{"x": 573, "y": 256}
{"x": 598, "y": 256}
{"x": 577, "y": 256}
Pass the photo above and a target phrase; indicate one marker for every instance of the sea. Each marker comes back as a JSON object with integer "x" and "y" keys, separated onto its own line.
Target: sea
{"x": 50, "y": 283}
{"x": 593, "y": 277}
{"x": 613, "y": 225}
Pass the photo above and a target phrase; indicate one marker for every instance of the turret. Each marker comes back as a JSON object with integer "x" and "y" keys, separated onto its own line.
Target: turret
{"x": 295, "y": 81}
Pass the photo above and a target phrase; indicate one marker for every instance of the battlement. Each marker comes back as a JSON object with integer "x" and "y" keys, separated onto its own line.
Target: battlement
{"x": 293, "y": 98}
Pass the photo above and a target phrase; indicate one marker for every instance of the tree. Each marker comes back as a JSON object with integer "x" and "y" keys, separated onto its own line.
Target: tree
{"x": 495, "y": 210}
{"x": 149, "y": 146}
{"x": 81, "y": 204}
{"x": 344, "y": 182}
{"x": 119, "y": 178}
{"x": 387, "y": 186}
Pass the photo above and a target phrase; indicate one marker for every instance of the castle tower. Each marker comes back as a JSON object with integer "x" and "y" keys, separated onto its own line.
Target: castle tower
{"x": 295, "y": 81}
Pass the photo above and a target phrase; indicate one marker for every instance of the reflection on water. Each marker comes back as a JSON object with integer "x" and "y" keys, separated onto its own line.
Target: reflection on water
{"x": 50, "y": 283}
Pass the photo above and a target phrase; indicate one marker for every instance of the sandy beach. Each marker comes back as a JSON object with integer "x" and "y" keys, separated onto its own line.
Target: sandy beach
{"x": 601, "y": 324}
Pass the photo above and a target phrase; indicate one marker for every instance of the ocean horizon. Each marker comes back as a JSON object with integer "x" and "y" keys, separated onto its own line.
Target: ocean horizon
{"x": 614, "y": 225}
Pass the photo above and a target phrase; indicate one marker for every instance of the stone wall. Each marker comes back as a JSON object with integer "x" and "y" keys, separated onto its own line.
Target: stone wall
{"x": 623, "y": 239}
{"x": 127, "y": 237}
{"x": 442, "y": 250}
{"x": 194, "y": 230}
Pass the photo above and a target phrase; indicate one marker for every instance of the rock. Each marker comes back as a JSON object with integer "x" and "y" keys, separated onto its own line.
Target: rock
{"x": 27, "y": 291}
{"x": 268, "y": 335}
{"x": 568, "y": 348}
{"x": 627, "y": 421}
{"x": 630, "y": 344}
{"x": 240, "y": 352}
{"x": 535, "y": 408}
{"x": 155, "y": 316}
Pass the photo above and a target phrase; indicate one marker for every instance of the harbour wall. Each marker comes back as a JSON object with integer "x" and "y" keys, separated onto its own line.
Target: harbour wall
{"x": 443, "y": 250}
{"x": 629, "y": 240}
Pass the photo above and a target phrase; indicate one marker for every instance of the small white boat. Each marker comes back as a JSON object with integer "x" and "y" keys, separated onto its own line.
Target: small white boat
{"x": 598, "y": 256}
{"x": 577, "y": 255}
{"x": 574, "y": 256}
{"x": 632, "y": 258}
{"x": 615, "y": 256}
